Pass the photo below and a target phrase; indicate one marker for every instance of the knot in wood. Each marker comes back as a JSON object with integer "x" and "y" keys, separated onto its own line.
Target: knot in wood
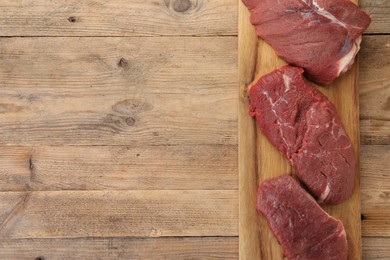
{"x": 130, "y": 121}
{"x": 181, "y": 6}
{"x": 72, "y": 19}
{"x": 123, "y": 63}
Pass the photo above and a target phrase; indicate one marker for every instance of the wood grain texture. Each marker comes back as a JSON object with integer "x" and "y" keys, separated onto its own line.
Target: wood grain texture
{"x": 376, "y": 212}
{"x": 118, "y": 17}
{"x": 375, "y": 188}
{"x": 72, "y": 214}
{"x": 147, "y": 213}
{"x": 100, "y": 168}
{"x": 118, "y": 167}
{"x": 264, "y": 162}
{"x": 375, "y": 90}
{"x": 374, "y": 167}
{"x": 148, "y": 248}
{"x": 118, "y": 91}
{"x": 376, "y": 248}
{"x": 207, "y": 248}
{"x": 102, "y": 101}
{"x": 124, "y": 167}
{"x": 379, "y": 11}
{"x": 43, "y": 91}
{"x": 207, "y": 167}
{"x": 139, "y": 18}
{"x": 375, "y": 131}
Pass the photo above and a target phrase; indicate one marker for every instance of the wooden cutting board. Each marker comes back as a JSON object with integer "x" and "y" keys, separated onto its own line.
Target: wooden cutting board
{"x": 259, "y": 160}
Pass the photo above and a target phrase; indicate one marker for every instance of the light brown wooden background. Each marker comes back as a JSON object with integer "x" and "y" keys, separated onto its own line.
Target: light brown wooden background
{"x": 118, "y": 124}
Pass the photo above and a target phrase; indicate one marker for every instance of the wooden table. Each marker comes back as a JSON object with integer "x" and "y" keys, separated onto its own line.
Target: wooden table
{"x": 119, "y": 129}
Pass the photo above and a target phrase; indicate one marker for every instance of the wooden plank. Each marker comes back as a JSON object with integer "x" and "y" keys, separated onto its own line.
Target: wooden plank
{"x": 262, "y": 161}
{"x": 375, "y": 213}
{"x": 375, "y": 188}
{"x": 72, "y": 214}
{"x": 374, "y": 166}
{"x": 118, "y": 91}
{"x": 139, "y": 18}
{"x": 121, "y": 248}
{"x": 146, "y": 213}
{"x": 379, "y": 11}
{"x": 375, "y": 131}
{"x": 376, "y": 248}
{"x": 148, "y": 248}
{"x": 119, "y": 168}
{"x": 118, "y": 18}
{"x": 375, "y": 90}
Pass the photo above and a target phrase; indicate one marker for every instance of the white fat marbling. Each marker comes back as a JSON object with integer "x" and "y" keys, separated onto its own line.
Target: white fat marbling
{"x": 325, "y": 194}
{"x": 328, "y": 15}
{"x": 347, "y": 60}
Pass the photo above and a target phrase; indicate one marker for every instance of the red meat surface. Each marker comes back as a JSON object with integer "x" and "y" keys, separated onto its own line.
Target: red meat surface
{"x": 304, "y": 125}
{"x": 320, "y": 36}
{"x": 301, "y": 227}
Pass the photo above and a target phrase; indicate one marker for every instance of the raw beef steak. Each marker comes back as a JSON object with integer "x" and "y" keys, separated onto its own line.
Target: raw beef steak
{"x": 320, "y": 36}
{"x": 303, "y": 124}
{"x": 301, "y": 227}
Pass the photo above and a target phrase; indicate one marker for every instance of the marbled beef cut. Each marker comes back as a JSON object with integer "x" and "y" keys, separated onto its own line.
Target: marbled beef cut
{"x": 301, "y": 227}
{"x": 320, "y": 36}
{"x": 304, "y": 125}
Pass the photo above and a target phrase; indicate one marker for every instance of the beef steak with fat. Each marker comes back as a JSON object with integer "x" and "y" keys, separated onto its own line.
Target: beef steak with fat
{"x": 320, "y": 36}
{"x": 304, "y": 125}
{"x": 301, "y": 227}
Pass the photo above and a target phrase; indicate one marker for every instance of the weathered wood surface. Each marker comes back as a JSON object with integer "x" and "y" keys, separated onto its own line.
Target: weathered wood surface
{"x": 148, "y": 248}
{"x": 49, "y": 105}
{"x": 53, "y": 166}
{"x": 140, "y": 213}
{"x": 379, "y": 11}
{"x": 374, "y": 166}
{"x": 207, "y": 248}
{"x": 84, "y": 174}
{"x": 375, "y": 189}
{"x": 118, "y": 91}
{"x": 118, "y": 18}
{"x": 376, "y": 213}
{"x": 376, "y": 248}
{"x": 375, "y": 90}
{"x": 139, "y": 18}
{"x": 185, "y": 167}
{"x": 102, "y": 132}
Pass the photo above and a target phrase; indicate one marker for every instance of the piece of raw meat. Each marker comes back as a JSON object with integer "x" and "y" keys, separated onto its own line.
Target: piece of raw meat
{"x": 304, "y": 125}
{"x": 301, "y": 227}
{"x": 320, "y": 36}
